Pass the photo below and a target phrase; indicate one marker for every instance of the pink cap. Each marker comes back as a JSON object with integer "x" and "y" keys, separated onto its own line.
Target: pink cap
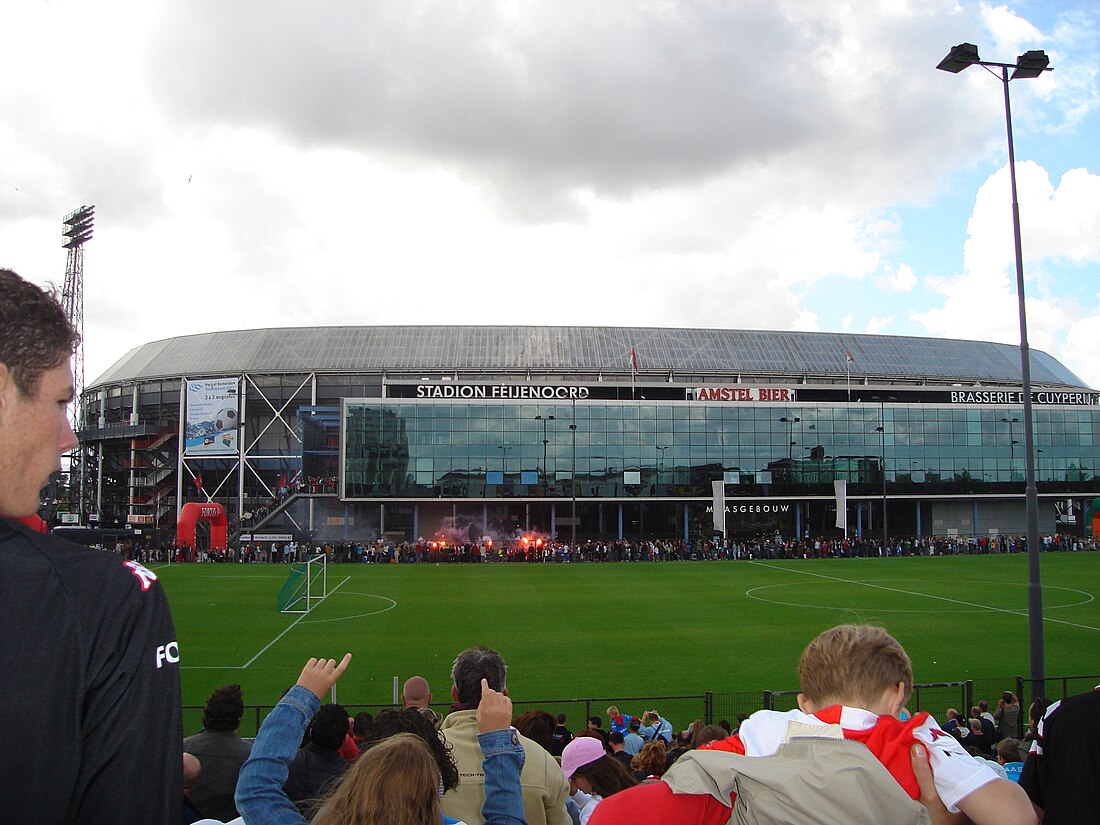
{"x": 580, "y": 751}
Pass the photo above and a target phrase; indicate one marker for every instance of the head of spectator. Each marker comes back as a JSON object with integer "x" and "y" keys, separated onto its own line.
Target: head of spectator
{"x": 709, "y": 733}
{"x": 561, "y": 718}
{"x": 983, "y": 706}
{"x": 192, "y": 770}
{"x": 635, "y": 725}
{"x": 616, "y": 741}
{"x": 470, "y": 667}
{"x": 595, "y": 723}
{"x": 224, "y": 709}
{"x": 395, "y": 781}
{"x": 650, "y": 760}
{"x": 976, "y": 726}
{"x": 724, "y": 724}
{"x": 416, "y": 693}
{"x": 432, "y": 716}
{"x": 36, "y": 383}
{"x": 975, "y": 712}
{"x": 329, "y": 727}
{"x": 951, "y": 713}
{"x": 1034, "y": 713}
{"x": 856, "y": 665}
{"x": 361, "y": 725}
{"x": 693, "y": 731}
{"x": 1008, "y": 750}
{"x": 537, "y": 725}
{"x": 589, "y": 769}
{"x": 389, "y": 723}
{"x": 1007, "y": 698}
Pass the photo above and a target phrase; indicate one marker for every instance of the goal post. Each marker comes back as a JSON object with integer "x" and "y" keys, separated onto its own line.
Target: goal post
{"x": 306, "y": 585}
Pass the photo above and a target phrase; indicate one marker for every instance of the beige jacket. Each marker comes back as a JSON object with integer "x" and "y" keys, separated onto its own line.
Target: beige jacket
{"x": 812, "y": 781}
{"x": 544, "y": 786}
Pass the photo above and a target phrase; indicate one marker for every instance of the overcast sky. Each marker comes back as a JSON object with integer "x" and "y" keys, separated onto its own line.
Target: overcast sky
{"x": 765, "y": 164}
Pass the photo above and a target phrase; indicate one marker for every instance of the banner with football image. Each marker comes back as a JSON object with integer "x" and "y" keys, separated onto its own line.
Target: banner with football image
{"x": 211, "y": 417}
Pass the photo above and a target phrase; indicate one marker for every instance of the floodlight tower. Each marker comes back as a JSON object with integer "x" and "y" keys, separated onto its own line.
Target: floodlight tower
{"x": 76, "y": 231}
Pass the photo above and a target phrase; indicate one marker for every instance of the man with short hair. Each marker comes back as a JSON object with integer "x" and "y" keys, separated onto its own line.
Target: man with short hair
{"x": 543, "y": 785}
{"x": 560, "y": 737}
{"x": 416, "y": 693}
{"x": 318, "y": 763}
{"x": 632, "y": 742}
{"x": 617, "y": 743}
{"x": 221, "y": 751}
{"x": 84, "y": 634}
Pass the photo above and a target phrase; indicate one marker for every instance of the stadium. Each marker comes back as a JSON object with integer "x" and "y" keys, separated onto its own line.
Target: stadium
{"x": 461, "y": 434}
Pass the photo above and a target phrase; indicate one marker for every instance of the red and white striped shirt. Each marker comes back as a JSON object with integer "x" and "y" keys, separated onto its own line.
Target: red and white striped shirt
{"x": 956, "y": 772}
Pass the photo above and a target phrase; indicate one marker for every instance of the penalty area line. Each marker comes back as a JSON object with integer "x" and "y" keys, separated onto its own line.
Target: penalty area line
{"x": 991, "y": 608}
{"x": 294, "y": 624}
{"x": 268, "y": 646}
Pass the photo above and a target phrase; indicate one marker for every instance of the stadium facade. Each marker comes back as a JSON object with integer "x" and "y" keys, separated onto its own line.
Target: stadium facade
{"x": 360, "y": 433}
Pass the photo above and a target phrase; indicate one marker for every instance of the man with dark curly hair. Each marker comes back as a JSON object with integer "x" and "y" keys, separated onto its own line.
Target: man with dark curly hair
{"x": 221, "y": 751}
{"x": 85, "y": 635}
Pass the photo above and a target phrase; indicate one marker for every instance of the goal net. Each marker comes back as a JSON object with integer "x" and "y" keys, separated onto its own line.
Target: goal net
{"x": 306, "y": 585}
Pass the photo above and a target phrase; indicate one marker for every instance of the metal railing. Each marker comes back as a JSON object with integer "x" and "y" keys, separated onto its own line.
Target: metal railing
{"x": 712, "y": 707}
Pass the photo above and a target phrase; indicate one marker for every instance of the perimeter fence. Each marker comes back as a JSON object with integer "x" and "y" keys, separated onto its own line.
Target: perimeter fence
{"x": 711, "y": 706}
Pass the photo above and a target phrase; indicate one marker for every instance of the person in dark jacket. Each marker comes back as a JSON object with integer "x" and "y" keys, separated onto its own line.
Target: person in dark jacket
{"x": 318, "y": 763}
{"x": 221, "y": 752}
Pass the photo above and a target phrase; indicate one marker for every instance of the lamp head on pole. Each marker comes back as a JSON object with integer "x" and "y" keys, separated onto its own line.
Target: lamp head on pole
{"x": 1031, "y": 64}
{"x": 959, "y": 58}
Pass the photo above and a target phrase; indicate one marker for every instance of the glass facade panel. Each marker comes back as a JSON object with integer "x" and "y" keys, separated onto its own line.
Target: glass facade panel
{"x": 420, "y": 449}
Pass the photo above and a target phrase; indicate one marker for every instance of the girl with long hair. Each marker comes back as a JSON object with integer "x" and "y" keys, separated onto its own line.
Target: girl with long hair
{"x": 593, "y": 775}
{"x": 396, "y": 781}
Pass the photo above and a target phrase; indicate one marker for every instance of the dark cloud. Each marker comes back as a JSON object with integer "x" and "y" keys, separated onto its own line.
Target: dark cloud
{"x": 558, "y": 97}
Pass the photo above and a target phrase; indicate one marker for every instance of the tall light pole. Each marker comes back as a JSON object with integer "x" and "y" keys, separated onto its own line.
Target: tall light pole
{"x": 790, "y": 437}
{"x": 1028, "y": 65}
{"x": 545, "y": 441}
{"x": 1012, "y": 442}
{"x": 573, "y": 476}
{"x": 882, "y": 429}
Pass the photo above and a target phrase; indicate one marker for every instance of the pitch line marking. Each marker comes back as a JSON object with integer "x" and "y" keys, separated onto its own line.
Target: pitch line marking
{"x": 752, "y": 593}
{"x": 392, "y": 605}
{"x": 266, "y": 647}
{"x": 1018, "y": 613}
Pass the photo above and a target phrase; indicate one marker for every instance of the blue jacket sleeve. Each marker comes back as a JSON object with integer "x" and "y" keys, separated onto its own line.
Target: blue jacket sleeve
{"x": 502, "y": 762}
{"x": 260, "y": 796}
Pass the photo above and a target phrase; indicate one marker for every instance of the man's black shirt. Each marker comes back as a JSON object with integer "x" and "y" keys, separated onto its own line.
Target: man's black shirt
{"x": 89, "y": 687}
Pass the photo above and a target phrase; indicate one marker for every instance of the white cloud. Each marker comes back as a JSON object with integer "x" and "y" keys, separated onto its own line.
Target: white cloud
{"x": 1058, "y": 224}
{"x": 899, "y": 279}
{"x": 876, "y": 326}
{"x": 502, "y": 162}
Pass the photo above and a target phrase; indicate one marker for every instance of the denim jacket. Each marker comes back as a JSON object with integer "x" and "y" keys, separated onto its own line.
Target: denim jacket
{"x": 261, "y": 800}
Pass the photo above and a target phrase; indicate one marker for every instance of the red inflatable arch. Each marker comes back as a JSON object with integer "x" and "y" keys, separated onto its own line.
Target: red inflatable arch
{"x": 191, "y": 514}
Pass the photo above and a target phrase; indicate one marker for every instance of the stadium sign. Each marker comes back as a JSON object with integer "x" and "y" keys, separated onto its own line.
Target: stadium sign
{"x": 779, "y": 507}
{"x": 503, "y": 391}
{"x": 742, "y": 394}
{"x": 1044, "y": 397}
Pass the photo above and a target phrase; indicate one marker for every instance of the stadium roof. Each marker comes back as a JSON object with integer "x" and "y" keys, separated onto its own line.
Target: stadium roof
{"x": 681, "y": 353}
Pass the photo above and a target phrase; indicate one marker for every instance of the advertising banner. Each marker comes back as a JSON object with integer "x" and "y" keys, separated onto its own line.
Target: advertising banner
{"x": 211, "y": 418}
{"x": 840, "y": 487}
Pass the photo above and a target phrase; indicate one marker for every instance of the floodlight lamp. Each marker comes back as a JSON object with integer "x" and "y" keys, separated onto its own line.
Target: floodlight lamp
{"x": 1031, "y": 64}
{"x": 960, "y": 56}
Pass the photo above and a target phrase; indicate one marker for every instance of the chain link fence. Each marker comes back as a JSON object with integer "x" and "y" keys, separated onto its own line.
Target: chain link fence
{"x": 711, "y": 707}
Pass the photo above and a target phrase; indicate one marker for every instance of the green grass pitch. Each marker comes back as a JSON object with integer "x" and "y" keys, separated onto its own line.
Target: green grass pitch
{"x": 644, "y": 629}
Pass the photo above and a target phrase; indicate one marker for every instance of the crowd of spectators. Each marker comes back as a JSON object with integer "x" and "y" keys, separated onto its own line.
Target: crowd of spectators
{"x": 311, "y": 762}
{"x": 539, "y": 550}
